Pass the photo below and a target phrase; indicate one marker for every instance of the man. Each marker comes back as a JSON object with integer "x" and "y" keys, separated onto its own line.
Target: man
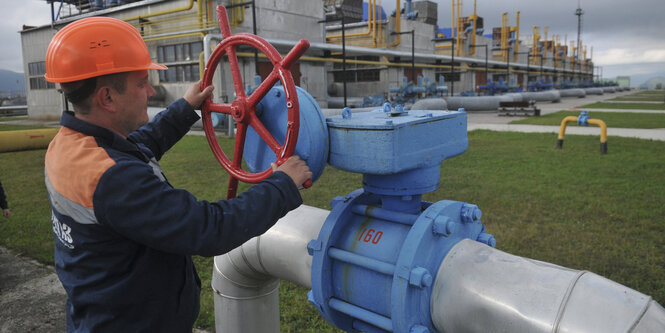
{"x": 3, "y": 203}
{"x": 123, "y": 235}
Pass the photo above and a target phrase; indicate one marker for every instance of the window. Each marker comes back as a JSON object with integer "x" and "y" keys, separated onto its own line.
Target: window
{"x": 182, "y": 60}
{"x": 455, "y": 77}
{"x": 36, "y": 71}
{"x": 358, "y": 72}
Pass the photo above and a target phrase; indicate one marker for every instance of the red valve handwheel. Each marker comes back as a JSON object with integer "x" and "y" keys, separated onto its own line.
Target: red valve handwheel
{"x": 243, "y": 108}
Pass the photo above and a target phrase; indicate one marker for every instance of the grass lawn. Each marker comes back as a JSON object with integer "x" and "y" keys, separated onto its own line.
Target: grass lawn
{"x": 625, "y": 106}
{"x": 645, "y": 95}
{"x": 573, "y": 207}
{"x": 611, "y": 119}
{"x": 12, "y": 127}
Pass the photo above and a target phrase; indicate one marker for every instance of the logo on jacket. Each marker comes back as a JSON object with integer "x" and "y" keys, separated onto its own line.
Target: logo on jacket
{"x": 63, "y": 232}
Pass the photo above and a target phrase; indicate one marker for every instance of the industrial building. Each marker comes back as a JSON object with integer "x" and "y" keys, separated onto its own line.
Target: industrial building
{"x": 357, "y": 48}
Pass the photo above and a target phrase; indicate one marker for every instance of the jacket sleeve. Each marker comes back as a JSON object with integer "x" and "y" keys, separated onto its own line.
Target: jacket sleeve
{"x": 136, "y": 204}
{"x": 166, "y": 128}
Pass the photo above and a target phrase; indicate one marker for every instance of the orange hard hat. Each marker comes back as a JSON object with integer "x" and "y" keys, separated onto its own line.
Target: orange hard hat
{"x": 96, "y": 46}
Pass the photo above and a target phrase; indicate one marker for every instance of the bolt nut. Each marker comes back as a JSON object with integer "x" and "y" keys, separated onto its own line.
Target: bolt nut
{"x": 346, "y": 113}
{"x": 486, "y": 238}
{"x": 470, "y": 213}
{"x": 443, "y": 226}
{"x": 313, "y": 246}
{"x": 420, "y": 278}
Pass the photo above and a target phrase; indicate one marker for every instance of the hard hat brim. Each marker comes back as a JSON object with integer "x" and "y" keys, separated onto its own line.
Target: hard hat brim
{"x": 153, "y": 65}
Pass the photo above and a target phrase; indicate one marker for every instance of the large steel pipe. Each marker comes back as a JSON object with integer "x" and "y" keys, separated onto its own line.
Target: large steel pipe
{"x": 476, "y": 103}
{"x": 476, "y": 289}
{"x": 573, "y": 92}
{"x": 481, "y": 289}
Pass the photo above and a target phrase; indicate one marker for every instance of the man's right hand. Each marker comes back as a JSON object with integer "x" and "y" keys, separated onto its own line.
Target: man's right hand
{"x": 295, "y": 168}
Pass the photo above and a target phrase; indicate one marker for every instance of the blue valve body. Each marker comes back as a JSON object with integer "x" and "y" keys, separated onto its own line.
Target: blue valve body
{"x": 373, "y": 267}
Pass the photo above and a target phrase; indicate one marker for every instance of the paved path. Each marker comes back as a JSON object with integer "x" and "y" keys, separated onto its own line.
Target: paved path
{"x": 31, "y": 296}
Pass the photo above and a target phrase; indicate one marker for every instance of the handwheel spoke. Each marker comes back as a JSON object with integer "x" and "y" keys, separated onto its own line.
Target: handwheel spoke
{"x": 241, "y": 131}
{"x": 263, "y": 132}
{"x": 235, "y": 71}
{"x": 263, "y": 88}
{"x": 219, "y": 108}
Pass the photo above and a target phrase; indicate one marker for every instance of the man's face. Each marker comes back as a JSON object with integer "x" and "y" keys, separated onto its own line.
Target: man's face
{"x": 133, "y": 103}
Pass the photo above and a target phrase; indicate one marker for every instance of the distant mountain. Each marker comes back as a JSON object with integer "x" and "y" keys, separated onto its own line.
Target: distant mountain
{"x": 11, "y": 81}
{"x": 640, "y": 79}
{"x": 654, "y": 83}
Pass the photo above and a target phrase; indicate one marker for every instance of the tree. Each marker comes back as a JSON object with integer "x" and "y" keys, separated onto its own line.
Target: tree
{"x": 659, "y": 86}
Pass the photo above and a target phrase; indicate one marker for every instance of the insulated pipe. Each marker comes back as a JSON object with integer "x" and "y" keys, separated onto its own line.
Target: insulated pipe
{"x": 481, "y": 289}
{"x": 476, "y": 103}
{"x": 572, "y": 92}
{"x": 26, "y": 139}
{"x": 246, "y": 280}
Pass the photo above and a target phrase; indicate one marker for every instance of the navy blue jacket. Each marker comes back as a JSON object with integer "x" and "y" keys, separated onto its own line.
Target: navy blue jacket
{"x": 124, "y": 235}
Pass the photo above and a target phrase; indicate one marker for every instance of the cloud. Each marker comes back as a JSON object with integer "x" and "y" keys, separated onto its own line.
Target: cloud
{"x": 619, "y": 56}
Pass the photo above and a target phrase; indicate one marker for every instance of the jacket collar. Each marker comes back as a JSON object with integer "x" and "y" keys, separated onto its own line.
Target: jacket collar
{"x": 114, "y": 140}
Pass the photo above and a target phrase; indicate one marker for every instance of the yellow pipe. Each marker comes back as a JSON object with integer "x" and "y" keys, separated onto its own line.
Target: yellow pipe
{"x": 163, "y": 12}
{"x": 597, "y": 122}
{"x": 176, "y": 36}
{"x": 564, "y": 123}
{"x": 517, "y": 37}
{"x": 26, "y": 139}
{"x": 603, "y": 128}
{"x": 504, "y": 36}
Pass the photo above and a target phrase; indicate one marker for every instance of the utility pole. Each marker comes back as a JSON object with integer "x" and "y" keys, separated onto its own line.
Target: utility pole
{"x": 579, "y": 14}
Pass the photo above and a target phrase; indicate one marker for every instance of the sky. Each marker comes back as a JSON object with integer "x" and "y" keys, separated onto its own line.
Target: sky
{"x": 628, "y": 36}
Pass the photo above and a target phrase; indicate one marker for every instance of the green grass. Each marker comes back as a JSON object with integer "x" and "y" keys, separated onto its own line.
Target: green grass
{"x": 611, "y": 119}
{"x": 573, "y": 207}
{"x": 12, "y": 127}
{"x": 643, "y": 96}
{"x": 625, "y": 106}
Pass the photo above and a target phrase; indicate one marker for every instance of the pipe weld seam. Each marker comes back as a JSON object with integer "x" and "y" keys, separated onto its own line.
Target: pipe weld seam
{"x": 276, "y": 289}
{"x": 248, "y": 263}
{"x": 641, "y": 314}
{"x": 235, "y": 267}
{"x": 566, "y": 298}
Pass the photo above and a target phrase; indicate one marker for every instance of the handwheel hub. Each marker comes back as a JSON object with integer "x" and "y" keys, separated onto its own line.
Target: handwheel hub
{"x": 239, "y": 110}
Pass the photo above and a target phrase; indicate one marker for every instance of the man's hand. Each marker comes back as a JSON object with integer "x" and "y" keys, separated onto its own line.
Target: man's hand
{"x": 295, "y": 168}
{"x": 195, "y": 97}
{"x": 6, "y": 213}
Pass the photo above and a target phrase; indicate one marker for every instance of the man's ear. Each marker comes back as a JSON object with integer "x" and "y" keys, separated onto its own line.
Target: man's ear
{"x": 105, "y": 98}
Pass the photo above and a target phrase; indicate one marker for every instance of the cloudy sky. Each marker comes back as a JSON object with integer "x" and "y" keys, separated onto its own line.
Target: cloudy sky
{"x": 628, "y": 36}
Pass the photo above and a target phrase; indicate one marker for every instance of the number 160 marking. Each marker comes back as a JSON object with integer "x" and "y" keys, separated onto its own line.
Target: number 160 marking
{"x": 371, "y": 235}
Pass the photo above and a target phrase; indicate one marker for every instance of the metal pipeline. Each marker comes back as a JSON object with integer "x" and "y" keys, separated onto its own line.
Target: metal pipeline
{"x": 575, "y": 92}
{"x": 476, "y": 103}
{"x": 594, "y": 91}
{"x": 500, "y": 291}
{"x": 481, "y": 289}
{"x": 246, "y": 280}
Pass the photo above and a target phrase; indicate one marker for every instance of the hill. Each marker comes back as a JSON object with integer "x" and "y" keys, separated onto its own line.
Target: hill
{"x": 11, "y": 81}
{"x": 654, "y": 83}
